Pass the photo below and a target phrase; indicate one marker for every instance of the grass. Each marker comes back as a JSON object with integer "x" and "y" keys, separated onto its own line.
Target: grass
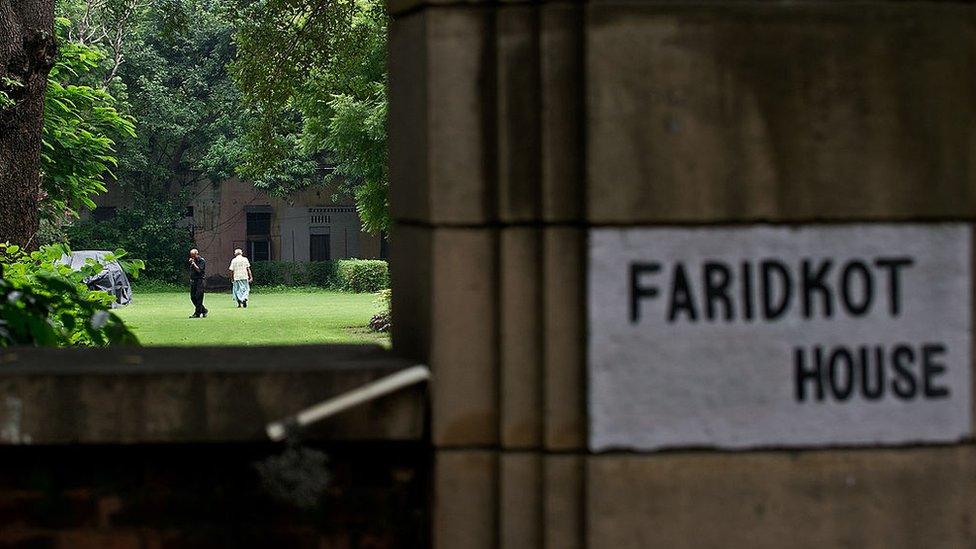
{"x": 272, "y": 318}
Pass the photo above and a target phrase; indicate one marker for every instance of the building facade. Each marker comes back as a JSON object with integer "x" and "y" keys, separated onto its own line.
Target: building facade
{"x": 306, "y": 226}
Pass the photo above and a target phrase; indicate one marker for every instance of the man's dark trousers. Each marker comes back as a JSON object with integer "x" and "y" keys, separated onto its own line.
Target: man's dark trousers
{"x": 197, "y": 286}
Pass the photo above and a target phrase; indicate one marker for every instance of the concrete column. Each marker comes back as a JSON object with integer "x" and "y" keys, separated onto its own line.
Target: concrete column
{"x": 516, "y": 128}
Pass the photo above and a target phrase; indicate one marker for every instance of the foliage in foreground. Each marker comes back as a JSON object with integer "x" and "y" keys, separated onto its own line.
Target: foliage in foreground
{"x": 46, "y": 303}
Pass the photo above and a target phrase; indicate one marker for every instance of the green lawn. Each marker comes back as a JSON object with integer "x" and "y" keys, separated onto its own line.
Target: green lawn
{"x": 271, "y": 318}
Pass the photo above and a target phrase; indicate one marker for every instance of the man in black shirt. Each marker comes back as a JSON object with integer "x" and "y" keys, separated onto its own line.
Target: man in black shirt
{"x": 198, "y": 273}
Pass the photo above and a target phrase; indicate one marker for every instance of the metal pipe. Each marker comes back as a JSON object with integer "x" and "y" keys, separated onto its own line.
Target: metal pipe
{"x": 278, "y": 430}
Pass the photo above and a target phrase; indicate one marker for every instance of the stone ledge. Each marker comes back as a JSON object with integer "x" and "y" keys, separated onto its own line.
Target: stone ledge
{"x": 891, "y": 498}
{"x": 180, "y": 395}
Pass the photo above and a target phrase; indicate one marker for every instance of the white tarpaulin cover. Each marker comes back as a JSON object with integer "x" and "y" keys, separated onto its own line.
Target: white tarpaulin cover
{"x": 112, "y": 279}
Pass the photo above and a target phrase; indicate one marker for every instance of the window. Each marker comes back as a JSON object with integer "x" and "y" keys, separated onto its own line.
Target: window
{"x": 319, "y": 247}
{"x": 259, "y": 236}
{"x": 259, "y": 250}
{"x": 258, "y": 224}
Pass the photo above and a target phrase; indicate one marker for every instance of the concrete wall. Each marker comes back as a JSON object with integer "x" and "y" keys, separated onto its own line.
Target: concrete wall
{"x": 516, "y": 127}
{"x": 208, "y": 496}
{"x": 139, "y": 447}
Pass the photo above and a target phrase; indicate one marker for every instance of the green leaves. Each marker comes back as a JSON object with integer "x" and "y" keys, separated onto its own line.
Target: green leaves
{"x": 81, "y": 126}
{"x": 313, "y": 77}
{"x": 45, "y": 303}
{"x": 148, "y": 229}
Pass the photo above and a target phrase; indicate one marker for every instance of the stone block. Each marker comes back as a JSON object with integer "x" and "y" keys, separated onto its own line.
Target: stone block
{"x": 520, "y": 333}
{"x": 563, "y": 501}
{"x": 520, "y": 501}
{"x": 564, "y": 338}
{"x": 445, "y": 313}
{"x": 561, "y": 86}
{"x": 465, "y": 499}
{"x": 442, "y": 90}
{"x": 892, "y": 498}
{"x": 464, "y": 352}
{"x": 753, "y": 111}
{"x": 518, "y": 112}
{"x": 410, "y": 280}
{"x": 402, "y": 7}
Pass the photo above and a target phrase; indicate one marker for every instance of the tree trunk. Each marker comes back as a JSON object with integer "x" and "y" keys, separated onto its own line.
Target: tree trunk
{"x": 27, "y": 51}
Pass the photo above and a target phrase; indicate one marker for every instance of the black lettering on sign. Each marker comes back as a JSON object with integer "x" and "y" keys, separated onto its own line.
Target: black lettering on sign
{"x": 904, "y": 384}
{"x": 869, "y": 391}
{"x": 804, "y": 375}
{"x": 871, "y": 371}
{"x": 770, "y": 289}
{"x": 747, "y": 301}
{"x": 716, "y": 277}
{"x": 773, "y": 309}
{"x": 893, "y": 264}
{"x": 856, "y": 269}
{"x": 814, "y": 282}
{"x": 681, "y": 295}
{"x": 840, "y": 372}
{"x": 639, "y": 291}
{"x": 931, "y": 369}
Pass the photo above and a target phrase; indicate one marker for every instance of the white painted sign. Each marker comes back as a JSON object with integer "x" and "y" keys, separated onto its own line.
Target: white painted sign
{"x": 779, "y": 336}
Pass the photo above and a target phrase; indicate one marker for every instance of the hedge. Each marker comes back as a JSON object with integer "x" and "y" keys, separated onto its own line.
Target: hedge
{"x": 350, "y": 275}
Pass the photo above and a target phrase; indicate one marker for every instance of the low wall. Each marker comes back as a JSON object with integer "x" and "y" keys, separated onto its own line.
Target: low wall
{"x": 165, "y": 447}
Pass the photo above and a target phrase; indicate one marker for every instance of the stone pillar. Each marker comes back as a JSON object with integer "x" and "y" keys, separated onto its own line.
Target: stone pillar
{"x": 517, "y": 128}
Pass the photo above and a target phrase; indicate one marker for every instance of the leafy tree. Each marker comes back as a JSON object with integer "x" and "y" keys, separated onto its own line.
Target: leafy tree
{"x": 166, "y": 64}
{"x": 175, "y": 73}
{"x": 147, "y": 230}
{"x": 313, "y": 78}
{"x": 81, "y": 125}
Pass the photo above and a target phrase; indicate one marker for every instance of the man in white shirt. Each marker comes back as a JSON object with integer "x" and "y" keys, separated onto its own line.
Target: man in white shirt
{"x": 241, "y": 269}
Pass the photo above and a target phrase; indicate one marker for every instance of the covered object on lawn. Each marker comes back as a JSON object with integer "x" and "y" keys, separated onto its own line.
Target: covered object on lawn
{"x": 112, "y": 279}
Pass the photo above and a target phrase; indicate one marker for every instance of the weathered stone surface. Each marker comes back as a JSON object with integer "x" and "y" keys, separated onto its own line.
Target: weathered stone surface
{"x": 788, "y": 112}
{"x": 561, "y": 68}
{"x": 464, "y": 354}
{"x": 120, "y": 396}
{"x": 465, "y": 499}
{"x": 520, "y": 333}
{"x": 445, "y": 308}
{"x": 564, "y": 338}
{"x": 518, "y": 106}
{"x": 911, "y": 497}
{"x": 520, "y": 501}
{"x": 563, "y": 501}
{"x": 398, "y": 7}
{"x": 442, "y": 161}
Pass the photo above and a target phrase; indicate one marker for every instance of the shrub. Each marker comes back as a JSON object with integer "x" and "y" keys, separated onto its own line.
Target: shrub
{"x": 382, "y": 321}
{"x": 46, "y": 303}
{"x": 275, "y": 273}
{"x": 363, "y": 275}
{"x": 151, "y": 233}
{"x": 323, "y": 273}
{"x": 350, "y": 275}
